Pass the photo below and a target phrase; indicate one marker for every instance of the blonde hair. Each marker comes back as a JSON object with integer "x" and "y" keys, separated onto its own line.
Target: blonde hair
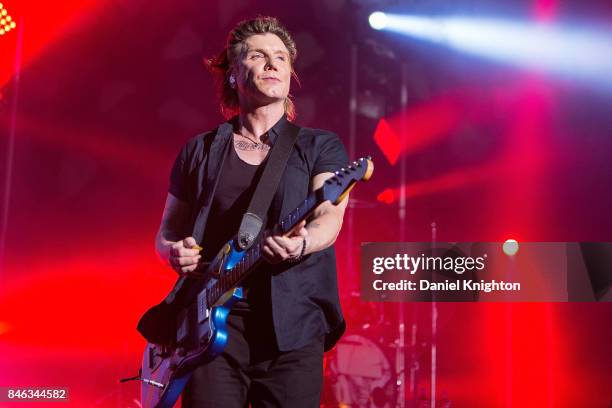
{"x": 221, "y": 64}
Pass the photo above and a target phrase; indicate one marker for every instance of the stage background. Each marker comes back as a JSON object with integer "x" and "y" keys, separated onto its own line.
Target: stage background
{"x": 108, "y": 91}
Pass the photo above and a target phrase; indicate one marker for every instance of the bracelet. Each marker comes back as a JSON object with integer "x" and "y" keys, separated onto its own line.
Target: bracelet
{"x": 302, "y": 252}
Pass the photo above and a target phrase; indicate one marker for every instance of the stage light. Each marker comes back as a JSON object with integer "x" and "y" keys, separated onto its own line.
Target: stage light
{"x": 388, "y": 196}
{"x": 510, "y": 247}
{"x": 378, "y": 20}
{"x": 573, "y": 52}
{"x": 6, "y": 21}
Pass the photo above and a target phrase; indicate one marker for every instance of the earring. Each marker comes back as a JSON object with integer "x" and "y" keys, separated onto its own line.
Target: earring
{"x": 232, "y": 81}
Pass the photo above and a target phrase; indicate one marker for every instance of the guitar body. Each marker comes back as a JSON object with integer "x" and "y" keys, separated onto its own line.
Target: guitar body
{"x": 166, "y": 370}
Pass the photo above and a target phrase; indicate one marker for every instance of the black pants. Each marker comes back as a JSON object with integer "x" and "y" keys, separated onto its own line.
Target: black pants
{"x": 253, "y": 371}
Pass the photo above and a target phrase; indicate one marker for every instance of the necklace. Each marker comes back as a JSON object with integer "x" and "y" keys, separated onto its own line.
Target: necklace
{"x": 255, "y": 142}
{"x": 251, "y": 140}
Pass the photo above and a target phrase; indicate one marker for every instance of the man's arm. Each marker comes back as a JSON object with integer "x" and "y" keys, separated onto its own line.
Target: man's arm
{"x": 324, "y": 226}
{"x": 319, "y": 233}
{"x": 170, "y": 242}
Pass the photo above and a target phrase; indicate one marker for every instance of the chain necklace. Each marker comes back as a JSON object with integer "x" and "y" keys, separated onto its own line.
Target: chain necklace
{"x": 251, "y": 140}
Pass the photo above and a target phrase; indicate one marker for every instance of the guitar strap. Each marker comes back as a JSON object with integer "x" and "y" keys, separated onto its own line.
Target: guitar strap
{"x": 252, "y": 221}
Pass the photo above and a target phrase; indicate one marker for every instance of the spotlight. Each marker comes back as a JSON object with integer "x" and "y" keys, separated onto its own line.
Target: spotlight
{"x": 510, "y": 247}
{"x": 571, "y": 51}
{"x": 378, "y": 20}
{"x": 6, "y": 21}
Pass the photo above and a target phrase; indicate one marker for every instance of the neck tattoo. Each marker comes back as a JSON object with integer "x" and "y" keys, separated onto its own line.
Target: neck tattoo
{"x": 250, "y": 145}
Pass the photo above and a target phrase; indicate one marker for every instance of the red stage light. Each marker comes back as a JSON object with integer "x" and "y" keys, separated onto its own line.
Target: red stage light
{"x": 388, "y": 196}
{"x": 419, "y": 126}
{"x": 388, "y": 141}
{"x": 545, "y": 10}
{"x": 43, "y": 31}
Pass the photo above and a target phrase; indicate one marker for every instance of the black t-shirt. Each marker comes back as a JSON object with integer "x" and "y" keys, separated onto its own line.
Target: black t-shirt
{"x": 231, "y": 200}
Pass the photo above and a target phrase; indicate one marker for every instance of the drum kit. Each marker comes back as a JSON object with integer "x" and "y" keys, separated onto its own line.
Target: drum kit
{"x": 366, "y": 368}
{"x": 360, "y": 374}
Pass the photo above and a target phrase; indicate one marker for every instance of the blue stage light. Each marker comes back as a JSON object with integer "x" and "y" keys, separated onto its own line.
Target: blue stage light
{"x": 569, "y": 51}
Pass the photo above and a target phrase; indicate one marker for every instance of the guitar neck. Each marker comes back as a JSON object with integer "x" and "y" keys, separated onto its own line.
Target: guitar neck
{"x": 253, "y": 256}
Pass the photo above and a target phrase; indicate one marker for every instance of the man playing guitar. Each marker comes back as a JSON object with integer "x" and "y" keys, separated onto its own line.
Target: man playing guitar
{"x": 291, "y": 312}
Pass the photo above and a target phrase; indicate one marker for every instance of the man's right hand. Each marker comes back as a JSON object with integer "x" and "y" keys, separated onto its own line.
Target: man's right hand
{"x": 185, "y": 256}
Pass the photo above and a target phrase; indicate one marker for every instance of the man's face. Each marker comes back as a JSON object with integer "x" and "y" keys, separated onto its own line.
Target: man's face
{"x": 263, "y": 70}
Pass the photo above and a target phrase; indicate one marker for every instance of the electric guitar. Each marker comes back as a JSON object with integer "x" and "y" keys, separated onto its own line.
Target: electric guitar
{"x": 199, "y": 323}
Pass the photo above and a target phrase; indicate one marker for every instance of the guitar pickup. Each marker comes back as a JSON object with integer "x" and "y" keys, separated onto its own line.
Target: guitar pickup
{"x": 203, "y": 311}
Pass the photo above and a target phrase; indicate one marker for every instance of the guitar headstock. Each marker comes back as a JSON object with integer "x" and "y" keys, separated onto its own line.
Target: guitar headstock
{"x": 336, "y": 188}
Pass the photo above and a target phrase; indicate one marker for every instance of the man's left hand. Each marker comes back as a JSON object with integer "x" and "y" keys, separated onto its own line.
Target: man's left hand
{"x": 279, "y": 248}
